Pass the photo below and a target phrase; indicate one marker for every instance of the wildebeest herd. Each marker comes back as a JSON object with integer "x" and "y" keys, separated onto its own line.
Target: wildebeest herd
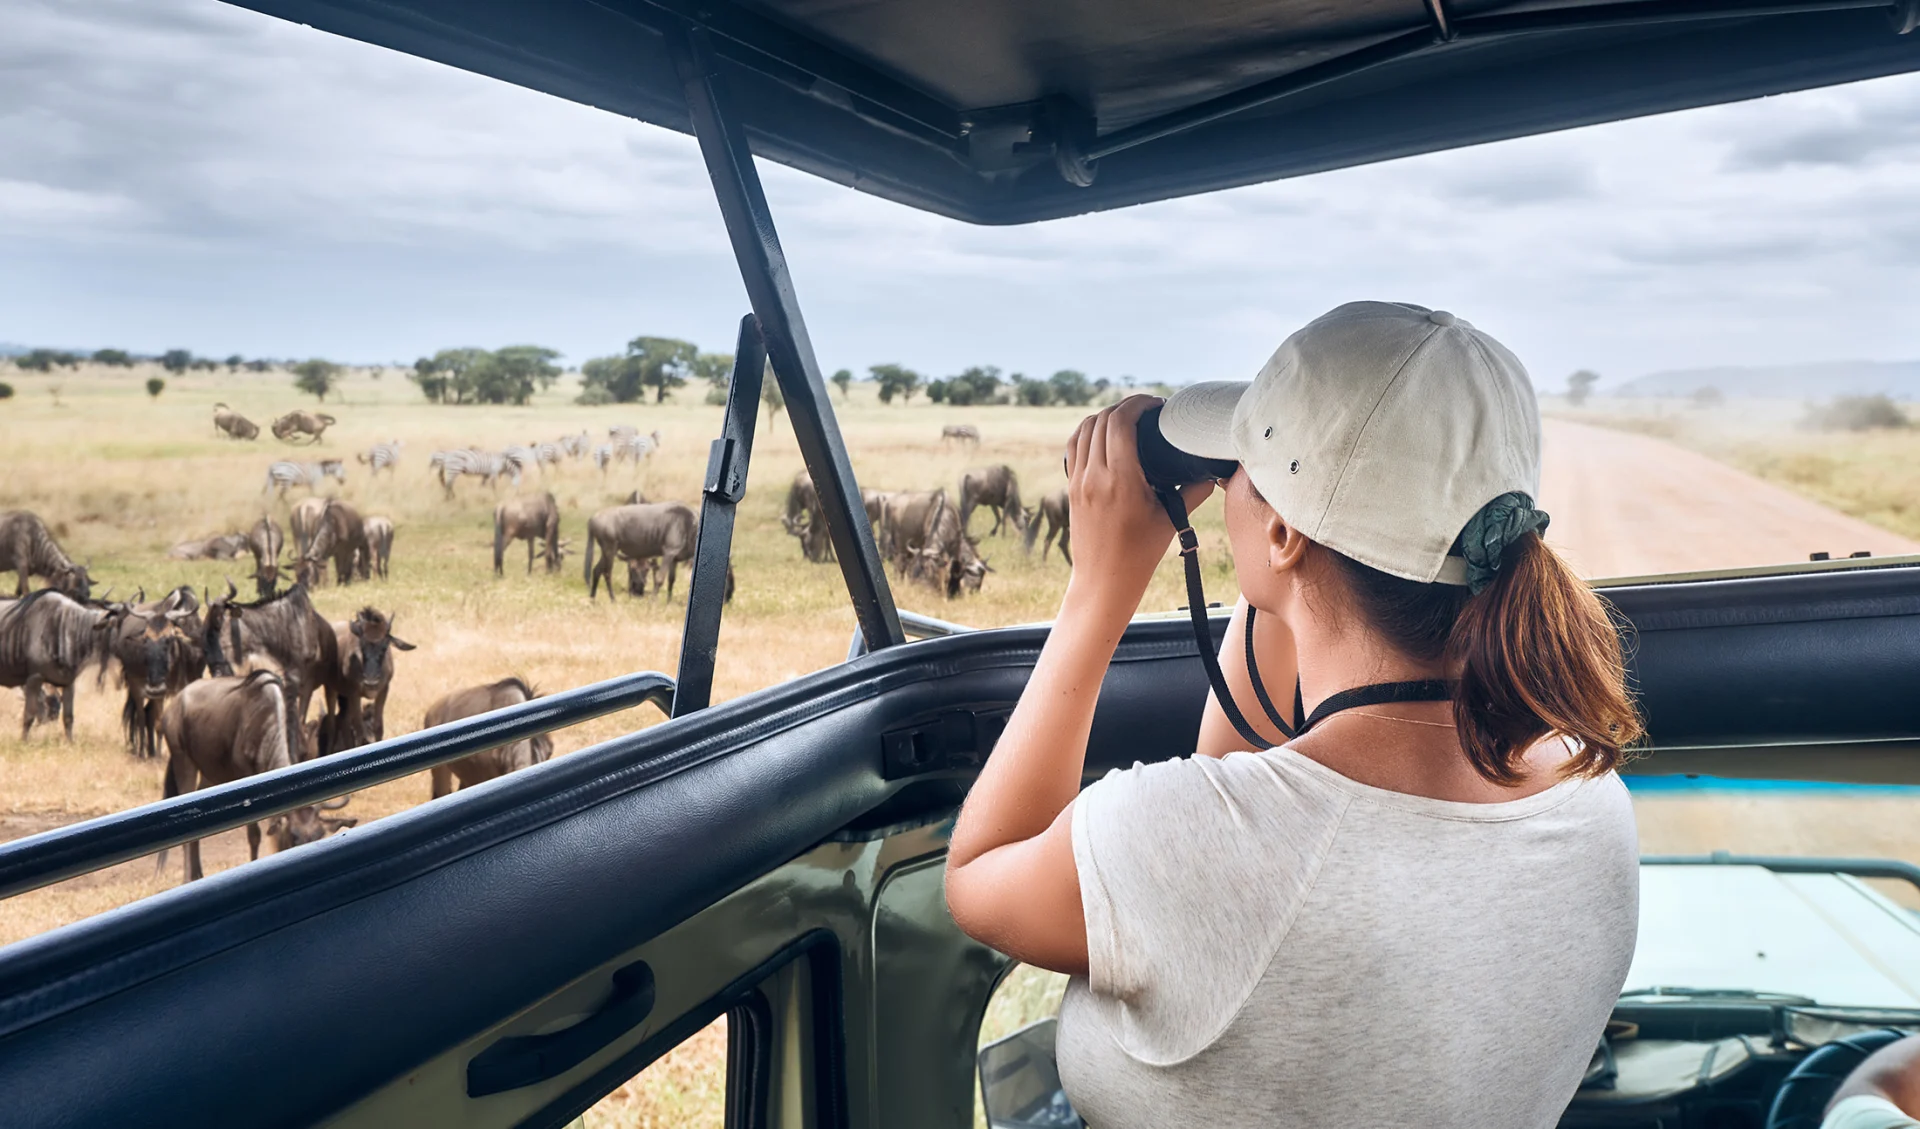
{"x": 925, "y": 536}
{"x": 226, "y": 685}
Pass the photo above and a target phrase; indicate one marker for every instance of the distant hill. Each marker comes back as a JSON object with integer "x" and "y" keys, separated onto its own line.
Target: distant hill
{"x": 9, "y": 349}
{"x": 1820, "y": 381}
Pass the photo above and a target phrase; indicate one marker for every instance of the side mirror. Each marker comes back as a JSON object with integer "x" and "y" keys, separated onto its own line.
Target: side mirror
{"x": 1020, "y": 1081}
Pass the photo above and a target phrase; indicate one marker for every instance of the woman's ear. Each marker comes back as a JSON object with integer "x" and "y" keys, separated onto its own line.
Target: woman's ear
{"x": 1285, "y": 545}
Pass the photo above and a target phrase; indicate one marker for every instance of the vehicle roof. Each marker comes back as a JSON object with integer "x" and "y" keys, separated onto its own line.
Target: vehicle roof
{"x": 984, "y": 110}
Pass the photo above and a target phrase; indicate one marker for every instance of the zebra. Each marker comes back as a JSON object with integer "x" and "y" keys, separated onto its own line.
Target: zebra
{"x": 485, "y": 466}
{"x": 521, "y": 459}
{"x": 603, "y": 456}
{"x": 621, "y": 432}
{"x": 382, "y": 456}
{"x": 636, "y": 447}
{"x": 285, "y": 474}
{"x": 576, "y": 445}
{"x": 548, "y": 455}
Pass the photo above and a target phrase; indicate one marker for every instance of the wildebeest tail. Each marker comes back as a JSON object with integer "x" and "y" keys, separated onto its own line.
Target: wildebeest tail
{"x": 588, "y": 576}
{"x": 499, "y": 538}
{"x": 1032, "y": 533}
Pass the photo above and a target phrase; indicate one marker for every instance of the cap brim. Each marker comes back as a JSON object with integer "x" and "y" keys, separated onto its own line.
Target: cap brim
{"x": 1198, "y": 419}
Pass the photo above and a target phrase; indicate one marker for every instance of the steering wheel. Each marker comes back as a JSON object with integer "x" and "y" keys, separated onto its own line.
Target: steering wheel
{"x": 1801, "y": 1101}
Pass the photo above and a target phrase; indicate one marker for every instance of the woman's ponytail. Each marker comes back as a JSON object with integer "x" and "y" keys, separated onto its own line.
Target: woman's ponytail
{"x": 1538, "y": 655}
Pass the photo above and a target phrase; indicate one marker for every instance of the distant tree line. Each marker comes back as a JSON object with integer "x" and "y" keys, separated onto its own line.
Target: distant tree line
{"x": 173, "y": 360}
{"x": 486, "y": 376}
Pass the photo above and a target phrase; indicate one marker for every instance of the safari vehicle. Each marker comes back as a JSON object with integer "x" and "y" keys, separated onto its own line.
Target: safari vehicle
{"x": 507, "y": 955}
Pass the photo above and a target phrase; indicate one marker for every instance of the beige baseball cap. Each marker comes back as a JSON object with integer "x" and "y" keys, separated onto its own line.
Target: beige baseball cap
{"x": 1378, "y": 430}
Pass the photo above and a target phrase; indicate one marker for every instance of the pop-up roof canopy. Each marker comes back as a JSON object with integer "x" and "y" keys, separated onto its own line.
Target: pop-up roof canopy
{"x": 1008, "y": 111}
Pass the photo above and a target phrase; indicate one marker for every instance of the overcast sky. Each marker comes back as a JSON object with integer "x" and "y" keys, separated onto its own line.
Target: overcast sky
{"x": 183, "y": 173}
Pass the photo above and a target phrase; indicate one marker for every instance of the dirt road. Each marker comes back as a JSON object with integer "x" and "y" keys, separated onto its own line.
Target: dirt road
{"x": 1626, "y": 505}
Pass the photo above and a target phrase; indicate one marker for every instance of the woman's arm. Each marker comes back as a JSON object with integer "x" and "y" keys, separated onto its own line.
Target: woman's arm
{"x": 1011, "y": 878}
{"x": 1279, "y": 671}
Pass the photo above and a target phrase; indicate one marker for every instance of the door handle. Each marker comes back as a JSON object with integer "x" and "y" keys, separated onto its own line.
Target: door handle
{"x": 525, "y": 1060}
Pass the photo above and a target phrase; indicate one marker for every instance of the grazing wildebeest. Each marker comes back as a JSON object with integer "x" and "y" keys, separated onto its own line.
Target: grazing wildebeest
{"x": 29, "y": 550}
{"x": 667, "y": 530}
{"x": 286, "y": 631}
{"x": 366, "y": 674}
{"x": 903, "y": 520}
{"x": 487, "y": 763}
{"x": 946, "y": 559}
{"x": 1052, "y": 511}
{"x": 533, "y": 520}
{"x": 219, "y": 730}
{"x": 221, "y": 547}
{"x": 998, "y": 489}
{"x": 305, "y": 523}
{"x": 963, "y": 433}
{"x": 379, "y": 532}
{"x": 266, "y": 542}
{"x": 46, "y": 640}
{"x": 234, "y": 425}
{"x": 302, "y": 422}
{"x": 381, "y": 456}
{"x": 158, "y": 646}
{"x": 289, "y": 474}
{"x": 806, "y": 520}
{"x": 342, "y": 536}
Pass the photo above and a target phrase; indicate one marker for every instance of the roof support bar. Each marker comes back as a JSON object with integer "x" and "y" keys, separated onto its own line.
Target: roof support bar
{"x": 763, "y": 267}
{"x": 1629, "y": 14}
{"x": 725, "y": 485}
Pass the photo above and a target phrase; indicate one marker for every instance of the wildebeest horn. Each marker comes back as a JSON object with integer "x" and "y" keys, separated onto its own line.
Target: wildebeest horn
{"x": 334, "y": 805}
{"x": 103, "y": 596}
{"x": 231, "y": 590}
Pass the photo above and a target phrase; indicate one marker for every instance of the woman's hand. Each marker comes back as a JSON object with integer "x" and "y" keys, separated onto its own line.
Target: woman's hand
{"x": 1120, "y": 530}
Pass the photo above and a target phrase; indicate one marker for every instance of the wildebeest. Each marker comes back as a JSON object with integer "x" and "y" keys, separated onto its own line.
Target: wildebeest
{"x": 903, "y": 520}
{"x": 366, "y": 674}
{"x": 29, "y": 550}
{"x": 965, "y": 434}
{"x": 533, "y": 520}
{"x": 946, "y": 559}
{"x": 341, "y": 536}
{"x": 302, "y": 422}
{"x": 234, "y": 425}
{"x": 219, "y": 730}
{"x": 288, "y": 474}
{"x": 381, "y": 456}
{"x": 1053, "y": 512}
{"x": 47, "y": 639}
{"x": 806, "y": 520}
{"x": 667, "y": 530}
{"x": 487, "y": 763}
{"x": 286, "y": 631}
{"x": 998, "y": 489}
{"x": 266, "y": 542}
{"x": 379, "y": 532}
{"x": 159, "y": 649}
{"x": 221, "y": 547}
{"x": 305, "y": 522}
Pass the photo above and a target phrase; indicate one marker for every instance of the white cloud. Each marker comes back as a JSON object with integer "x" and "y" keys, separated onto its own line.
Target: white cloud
{"x": 182, "y": 172}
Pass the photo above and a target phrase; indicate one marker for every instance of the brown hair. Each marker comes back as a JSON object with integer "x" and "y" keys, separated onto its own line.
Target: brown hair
{"x": 1537, "y": 651}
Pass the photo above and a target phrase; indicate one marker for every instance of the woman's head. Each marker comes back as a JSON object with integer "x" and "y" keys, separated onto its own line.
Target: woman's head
{"x": 1389, "y": 457}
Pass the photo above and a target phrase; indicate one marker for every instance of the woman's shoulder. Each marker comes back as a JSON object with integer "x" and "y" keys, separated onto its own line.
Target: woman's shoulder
{"x": 1233, "y": 787}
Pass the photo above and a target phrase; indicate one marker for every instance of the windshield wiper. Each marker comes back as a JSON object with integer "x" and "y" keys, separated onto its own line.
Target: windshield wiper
{"x": 1742, "y": 994}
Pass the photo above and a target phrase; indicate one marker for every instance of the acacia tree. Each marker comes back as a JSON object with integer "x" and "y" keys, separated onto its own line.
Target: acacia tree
{"x": 113, "y": 358}
{"x": 659, "y": 363}
{"x": 316, "y": 377}
{"x": 843, "y": 380}
{"x": 155, "y": 386}
{"x": 895, "y": 380}
{"x": 176, "y": 360}
{"x": 510, "y": 375}
{"x": 1580, "y": 386}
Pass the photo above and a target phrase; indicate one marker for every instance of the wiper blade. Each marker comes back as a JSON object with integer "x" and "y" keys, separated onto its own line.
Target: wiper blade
{"x": 1742, "y": 994}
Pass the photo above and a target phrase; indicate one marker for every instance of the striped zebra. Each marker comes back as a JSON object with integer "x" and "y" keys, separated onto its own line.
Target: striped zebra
{"x": 483, "y": 465}
{"x": 633, "y": 448}
{"x": 548, "y": 455}
{"x": 286, "y": 474}
{"x": 621, "y": 432}
{"x": 576, "y": 445}
{"x": 522, "y": 459}
{"x": 382, "y": 456}
{"x": 603, "y": 456}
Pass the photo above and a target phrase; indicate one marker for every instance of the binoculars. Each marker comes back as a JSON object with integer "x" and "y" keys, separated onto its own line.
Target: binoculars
{"x": 1166, "y": 466}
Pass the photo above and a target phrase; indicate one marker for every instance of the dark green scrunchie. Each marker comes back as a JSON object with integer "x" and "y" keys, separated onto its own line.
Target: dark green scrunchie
{"x": 1499, "y": 524}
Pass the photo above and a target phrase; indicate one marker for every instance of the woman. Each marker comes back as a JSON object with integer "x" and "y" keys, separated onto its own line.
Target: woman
{"x": 1420, "y": 909}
